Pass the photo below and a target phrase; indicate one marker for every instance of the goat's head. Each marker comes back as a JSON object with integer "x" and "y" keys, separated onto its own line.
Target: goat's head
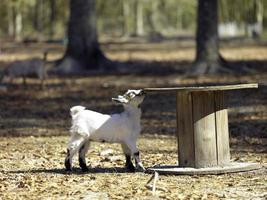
{"x": 133, "y": 97}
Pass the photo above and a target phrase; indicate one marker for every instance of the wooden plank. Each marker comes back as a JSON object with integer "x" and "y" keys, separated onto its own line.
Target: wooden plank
{"x": 221, "y": 116}
{"x": 231, "y": 168}
{"x": 204, "y": 129}
{"x": 185, "y": 133}
{"x": 204, "y": 88}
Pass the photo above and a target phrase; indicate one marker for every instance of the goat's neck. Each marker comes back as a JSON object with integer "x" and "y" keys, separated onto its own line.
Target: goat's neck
{"x": 133, "y": 112}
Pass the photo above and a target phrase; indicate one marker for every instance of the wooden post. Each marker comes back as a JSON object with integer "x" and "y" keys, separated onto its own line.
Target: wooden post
{"x": 186, "y": 149}
{"x": 202, "y": 129}
{"x": 222, "y": 131}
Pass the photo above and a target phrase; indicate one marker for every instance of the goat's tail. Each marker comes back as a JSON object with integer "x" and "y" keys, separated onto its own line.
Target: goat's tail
{"x": 76, "y": 109}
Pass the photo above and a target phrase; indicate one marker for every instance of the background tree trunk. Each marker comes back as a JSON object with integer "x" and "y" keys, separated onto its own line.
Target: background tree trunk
{"x": 139, "y": 18}
{"x": 38, "y": 16}
{"x": 11, "y": 23}
{"x": 83, "y": 50}
{"x": 18, "y": 22}
{"x": 154, "y": 22}
{"x": 208, "y": 59}
{"x": 52, "y": 19}
{"x": 259, "y": 12}
{"x": 127, "y": 18}
{"x": 14, "y": 21}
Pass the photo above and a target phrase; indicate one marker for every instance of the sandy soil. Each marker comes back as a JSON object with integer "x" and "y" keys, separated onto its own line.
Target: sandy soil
{"x": 34, "y": 126}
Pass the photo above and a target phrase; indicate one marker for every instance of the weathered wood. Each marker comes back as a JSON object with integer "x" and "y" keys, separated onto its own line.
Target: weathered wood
{"x": 204, "y": 129}
{"x": 222, "y": 133}
{"x": 204, "y": 88}
{"x": 232, "y": 167}
{"x": 185, "y": 132}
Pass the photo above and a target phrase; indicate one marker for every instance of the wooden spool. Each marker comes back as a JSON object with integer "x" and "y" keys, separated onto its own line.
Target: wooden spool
{"x": 202, "y": 131}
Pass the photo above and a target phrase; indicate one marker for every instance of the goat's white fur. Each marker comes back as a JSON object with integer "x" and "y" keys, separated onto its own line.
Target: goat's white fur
{"x": 123, "y": 128}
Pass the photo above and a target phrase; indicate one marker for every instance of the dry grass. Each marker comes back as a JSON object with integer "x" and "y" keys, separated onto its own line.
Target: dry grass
{"x": 31, "y": 167}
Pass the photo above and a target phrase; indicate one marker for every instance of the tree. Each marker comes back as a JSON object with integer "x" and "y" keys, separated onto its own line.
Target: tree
{"x": 52, "y": 18}
{"x": 39, "y": 16}
{"x": 83, "y": 50}
{"x": 127, "y": 18}
{"x": 208, "y": 59}
{"x": 139, "y": 18}
{"x": 15, "y": 25}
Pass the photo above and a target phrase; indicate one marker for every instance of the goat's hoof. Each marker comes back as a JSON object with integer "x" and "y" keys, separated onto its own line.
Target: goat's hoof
{"x": 68, "y": 170}
{"x": 130, "y": 168}
{"x": 85, "y": 169}
{"x": 140, "y": 169}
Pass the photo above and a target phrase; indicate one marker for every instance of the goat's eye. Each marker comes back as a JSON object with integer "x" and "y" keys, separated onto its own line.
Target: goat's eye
{"x": 129, "y": 96}
{"x": 132, "y": 95}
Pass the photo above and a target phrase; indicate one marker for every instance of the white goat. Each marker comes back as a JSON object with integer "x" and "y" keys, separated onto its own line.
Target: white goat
{"x": 28, "y": 68}
{"x": 122, "y": 128}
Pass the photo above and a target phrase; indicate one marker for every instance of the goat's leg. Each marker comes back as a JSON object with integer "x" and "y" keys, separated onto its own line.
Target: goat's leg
{"x": 136, "y": 154}
{"x": 74, "y": 145}
{"x": 11, "y": 80}
{"x": 127, "y": 152}
{"x": 24, "y": 81}
{"x": 43, "y": 78}
{"x": 138, "y": 162}
{"x": 82, "y": 151}
{"x": 42, "y": 86}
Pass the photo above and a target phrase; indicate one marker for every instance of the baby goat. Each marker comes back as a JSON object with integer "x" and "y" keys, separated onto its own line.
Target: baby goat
{"x": 28, "y": 68}
{"x": 122, "y": 128}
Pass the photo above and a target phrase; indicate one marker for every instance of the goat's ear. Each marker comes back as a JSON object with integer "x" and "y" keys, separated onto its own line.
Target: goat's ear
{"x": 119, "y": 100}
{"x": 116, "y": 100}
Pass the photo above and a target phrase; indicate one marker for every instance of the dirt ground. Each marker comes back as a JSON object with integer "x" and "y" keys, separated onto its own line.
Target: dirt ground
{"x": 34, "y": 125}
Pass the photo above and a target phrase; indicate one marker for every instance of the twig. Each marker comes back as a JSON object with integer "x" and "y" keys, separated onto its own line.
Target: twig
{"x": 154, "y": 177}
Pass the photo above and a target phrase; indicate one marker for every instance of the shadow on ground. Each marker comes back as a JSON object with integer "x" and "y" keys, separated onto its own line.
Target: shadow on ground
{"x": 76, "y": 171}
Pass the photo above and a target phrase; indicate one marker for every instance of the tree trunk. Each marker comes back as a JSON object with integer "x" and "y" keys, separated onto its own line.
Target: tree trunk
{"x": 52, "y": 18}
{"x": 155, "y": 15}
{"x": 11, "y": 25}
{"x": 154, "y": 19}
{"x": 208, "y": 59}
{"x": 17, "y": 22}
{"x": 127, "y": 18}
{"x": 259, "y": 12}
{"x": 139, "y": 18}
{"x": 83, "y": 50}
{"x": 37, "y": 20}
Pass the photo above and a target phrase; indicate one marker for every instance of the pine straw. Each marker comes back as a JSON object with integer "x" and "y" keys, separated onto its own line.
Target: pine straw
{"x": 32, "y": 168}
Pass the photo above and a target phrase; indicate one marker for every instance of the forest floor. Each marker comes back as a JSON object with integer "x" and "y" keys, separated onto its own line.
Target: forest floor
{"x": 34, "y": 125}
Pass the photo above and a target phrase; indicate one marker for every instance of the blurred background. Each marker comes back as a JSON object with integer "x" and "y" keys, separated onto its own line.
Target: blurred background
{"x": 42, "y": 20}
{"x": 133, "y": 44}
